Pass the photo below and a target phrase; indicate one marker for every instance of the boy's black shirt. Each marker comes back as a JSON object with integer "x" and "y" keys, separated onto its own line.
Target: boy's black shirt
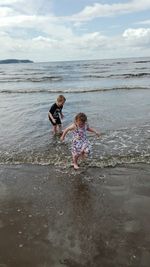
{"x": 55, "y": 110}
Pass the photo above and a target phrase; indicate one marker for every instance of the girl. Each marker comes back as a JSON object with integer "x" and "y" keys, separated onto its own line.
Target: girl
{"x": 80, "y": 145}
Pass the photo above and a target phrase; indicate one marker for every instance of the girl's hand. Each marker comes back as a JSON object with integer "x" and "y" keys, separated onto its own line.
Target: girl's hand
{"x": 97, "y": 134}
{"x": 62, "y": 138}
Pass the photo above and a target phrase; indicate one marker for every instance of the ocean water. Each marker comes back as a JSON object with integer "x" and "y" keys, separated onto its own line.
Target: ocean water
{"x": 115, "y": 95}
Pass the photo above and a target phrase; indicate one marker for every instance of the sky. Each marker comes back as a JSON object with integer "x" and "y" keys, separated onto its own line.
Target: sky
{"x": 58, "y": 30}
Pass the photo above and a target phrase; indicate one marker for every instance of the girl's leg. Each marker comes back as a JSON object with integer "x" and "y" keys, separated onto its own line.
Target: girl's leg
{"x": 85, "y": 152}
{"x": 84, "y": 155}
{"x": 75, "y": 161}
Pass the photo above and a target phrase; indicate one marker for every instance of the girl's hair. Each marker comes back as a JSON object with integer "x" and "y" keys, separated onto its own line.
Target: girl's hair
{"x": 81, "y": 117}
{"x": 61, "y": 98}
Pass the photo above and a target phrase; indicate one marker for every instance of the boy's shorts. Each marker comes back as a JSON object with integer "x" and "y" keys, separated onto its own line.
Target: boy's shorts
{"x": 58, "y": 121}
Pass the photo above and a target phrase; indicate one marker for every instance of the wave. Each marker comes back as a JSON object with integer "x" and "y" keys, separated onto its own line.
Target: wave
{"x": 71, "y": 91}
{"x": 142, "y": 61}
{"x": 124, "y": 75}
{"x": 58, "y": 160}
{"x": 98, "y": 74}
{"x": 130, "y": 75}
{"x": 46, "y": 78}
{"x": 113, "y": 161}
{"x": 32, "y": 79}
{"x": 137, "y": 75}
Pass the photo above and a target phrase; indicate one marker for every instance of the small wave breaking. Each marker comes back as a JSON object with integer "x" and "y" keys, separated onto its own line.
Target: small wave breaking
{"x": 32, "y": 79}
{"x": 70, "y": 90}
{"x": 65, "y": 160}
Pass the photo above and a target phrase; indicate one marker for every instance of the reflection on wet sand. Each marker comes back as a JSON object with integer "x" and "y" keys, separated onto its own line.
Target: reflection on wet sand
{"x": 95, "y": 217}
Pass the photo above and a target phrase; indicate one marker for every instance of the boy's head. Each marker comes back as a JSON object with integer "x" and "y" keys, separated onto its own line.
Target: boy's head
{"x": 61, "y": 100}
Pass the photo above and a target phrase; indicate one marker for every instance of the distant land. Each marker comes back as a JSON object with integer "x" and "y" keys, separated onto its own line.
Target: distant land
{"x": 9, "y": 61}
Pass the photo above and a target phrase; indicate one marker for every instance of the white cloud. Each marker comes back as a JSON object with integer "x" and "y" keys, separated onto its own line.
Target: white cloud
{"x": 26, "y": 32}
{"x": 28, "y": 21}
{"x": 36, "y": 7}
{"x": 29, "y": 7}
{"x": 6, "y": 11}
{"x": 52, "y": 47}
{"x": 137, "y": 37}
{"x": 144, "y": 22}
{"x": 87, "y": 41}
{"x": 91, "y": 45}
{"x": 9, "y": 2}
{"x": 90, "y": 41}
{"x": 106, "y": 10}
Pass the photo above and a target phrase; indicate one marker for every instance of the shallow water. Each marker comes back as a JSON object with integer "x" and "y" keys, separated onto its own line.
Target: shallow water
{"x": 115, "y": 95}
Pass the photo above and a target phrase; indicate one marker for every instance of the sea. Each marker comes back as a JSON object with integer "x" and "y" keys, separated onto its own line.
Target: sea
{"x": 113, "y": 93}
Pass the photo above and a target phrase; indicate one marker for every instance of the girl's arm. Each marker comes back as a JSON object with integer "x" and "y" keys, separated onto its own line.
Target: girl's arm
{"x": 93, "y": 131}
{"x": 69, "y": 128}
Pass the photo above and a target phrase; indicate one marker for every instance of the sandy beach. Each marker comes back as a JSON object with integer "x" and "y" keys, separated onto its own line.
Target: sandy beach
{"x": 88, "y": 218}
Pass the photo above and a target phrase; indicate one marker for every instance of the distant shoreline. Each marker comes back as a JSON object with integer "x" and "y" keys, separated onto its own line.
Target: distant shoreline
{"x": 11, "y": 61}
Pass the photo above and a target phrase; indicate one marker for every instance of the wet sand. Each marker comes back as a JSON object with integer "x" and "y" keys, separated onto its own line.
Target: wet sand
{"x": 89, "y": 218}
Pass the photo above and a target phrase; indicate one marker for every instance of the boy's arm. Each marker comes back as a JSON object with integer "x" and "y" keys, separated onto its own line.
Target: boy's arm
{"x": 61, "y": 114}
{"x": 51, "y": 116}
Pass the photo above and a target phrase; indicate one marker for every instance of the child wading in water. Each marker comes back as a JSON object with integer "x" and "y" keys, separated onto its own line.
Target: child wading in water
{"x": 55, "y": 114}
{"x": 80, "y": 144}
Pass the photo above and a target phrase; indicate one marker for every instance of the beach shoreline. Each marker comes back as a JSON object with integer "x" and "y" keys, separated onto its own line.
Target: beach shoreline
{"x": 60, "y": 217}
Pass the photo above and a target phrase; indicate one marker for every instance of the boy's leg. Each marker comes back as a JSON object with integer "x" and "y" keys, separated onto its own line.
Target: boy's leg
{"x": 54, "y": 129}
{"x": 60, "y": 128}
{"x": 54, "y": 125}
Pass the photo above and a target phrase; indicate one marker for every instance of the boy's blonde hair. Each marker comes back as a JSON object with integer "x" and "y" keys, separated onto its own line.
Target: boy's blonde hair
{"x": 81, "y": 117}
{"x": 61, "y": 98}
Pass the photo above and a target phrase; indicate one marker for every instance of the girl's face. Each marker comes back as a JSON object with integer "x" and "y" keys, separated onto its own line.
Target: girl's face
{"x": 80, "y": 123}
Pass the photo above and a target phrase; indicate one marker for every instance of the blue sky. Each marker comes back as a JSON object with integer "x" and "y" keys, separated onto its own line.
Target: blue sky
{"x": 51, "y": 30}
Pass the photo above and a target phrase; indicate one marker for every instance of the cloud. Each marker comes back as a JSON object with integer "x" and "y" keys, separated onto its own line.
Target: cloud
{"x": 107, "y": 10}
{"x": 28, "y": 30}
{"x": 31, "y": 7}
{"x": 28, "y": 15}
{"x": 28, "y": 21}
{"x": 137, "y": 37}
{"x": 9, "y": 2}
{"x": 144, "y": 22}
{"x": 6, "y": 11}
{"x": 52, "y": 47}
{"x": 87, "y": 41}
{"x": 91, "y": 45}
{"x": 38, "y": 7}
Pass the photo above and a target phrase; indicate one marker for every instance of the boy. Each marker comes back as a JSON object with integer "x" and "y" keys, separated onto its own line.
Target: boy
{"x": 55, "y": 114}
